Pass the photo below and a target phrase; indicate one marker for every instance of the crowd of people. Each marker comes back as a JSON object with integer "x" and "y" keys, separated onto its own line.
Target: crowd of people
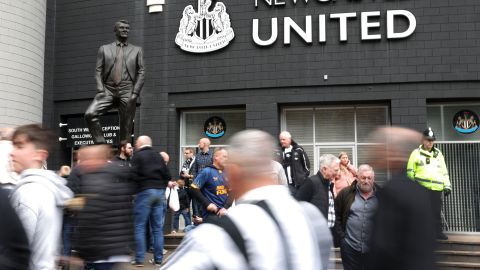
{"x": 252, "y": 205}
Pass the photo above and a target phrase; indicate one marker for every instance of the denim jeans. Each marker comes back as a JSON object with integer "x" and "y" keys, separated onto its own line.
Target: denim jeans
{"x": 67, "y": 231}
{"x": 150, "y": 204}
{"x": 196, "y": 208}
{"x": 176, "y": 217}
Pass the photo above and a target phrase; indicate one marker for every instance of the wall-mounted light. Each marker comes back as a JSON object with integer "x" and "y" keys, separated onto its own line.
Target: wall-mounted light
{"x": 155, "y": 6}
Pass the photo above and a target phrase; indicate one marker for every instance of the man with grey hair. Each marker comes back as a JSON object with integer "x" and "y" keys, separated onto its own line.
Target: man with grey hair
{"x": 318, "y": 190}
{"x": 283, "y": 234}
{"x": 294, "y": 160}
{"x": 355, "y": 207}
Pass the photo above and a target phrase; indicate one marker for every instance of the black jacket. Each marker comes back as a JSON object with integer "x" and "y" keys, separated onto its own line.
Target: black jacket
{"x": 343, "y": 203}
{"x": 184, "y": 197}
{"x": 315, "y": 191}
{"x": 403, "y": 237}
{"x": 150, "y": 168}
{"x": 73, "y": 180}
{"x": 299, "y": 164}
{"x": 105, "y": 224}
{"x": 121, "y": 162}
{"x": 14, "y": 250}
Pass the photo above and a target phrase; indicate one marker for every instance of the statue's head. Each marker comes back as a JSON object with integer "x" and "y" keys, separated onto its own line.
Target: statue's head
{"x": 219, "y": 7}
{"x": 121, "y": 29}
{"x": 189, "y": 11}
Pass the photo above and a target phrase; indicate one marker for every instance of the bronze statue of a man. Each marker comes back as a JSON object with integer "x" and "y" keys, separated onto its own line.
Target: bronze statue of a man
{"x": 119, "y": 75}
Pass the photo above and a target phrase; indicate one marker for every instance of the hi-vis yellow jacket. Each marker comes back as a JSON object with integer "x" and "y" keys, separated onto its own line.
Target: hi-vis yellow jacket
{"x": 428, "y": 169}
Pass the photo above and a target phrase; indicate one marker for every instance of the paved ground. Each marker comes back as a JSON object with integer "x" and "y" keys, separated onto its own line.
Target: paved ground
{"x": 147, "y": 265}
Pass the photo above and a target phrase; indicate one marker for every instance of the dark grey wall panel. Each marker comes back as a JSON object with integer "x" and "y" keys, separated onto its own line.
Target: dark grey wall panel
{"x": 443, "y": 48}
{"x": 439, "y": 61}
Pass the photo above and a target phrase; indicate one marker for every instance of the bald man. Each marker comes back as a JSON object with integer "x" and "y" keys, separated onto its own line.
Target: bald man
{"x": 153, "y": 177}
{"x": 210, "y": 187}
{"x": 203, "y": 159}
{"x": 267, "y": 229}
{"x": 294, "y": 160}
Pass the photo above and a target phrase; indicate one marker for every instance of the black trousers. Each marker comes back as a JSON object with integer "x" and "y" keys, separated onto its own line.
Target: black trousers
{"x": 352, "y": 259}
{"x": 113, "y": 97}
{"x": 436, "y": 200}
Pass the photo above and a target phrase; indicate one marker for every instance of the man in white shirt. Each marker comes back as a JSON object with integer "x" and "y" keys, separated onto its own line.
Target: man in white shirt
{"x": 267, "y": 229}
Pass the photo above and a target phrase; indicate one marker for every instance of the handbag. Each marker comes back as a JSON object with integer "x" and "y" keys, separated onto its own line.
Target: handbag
{"x": 172, "y": 198}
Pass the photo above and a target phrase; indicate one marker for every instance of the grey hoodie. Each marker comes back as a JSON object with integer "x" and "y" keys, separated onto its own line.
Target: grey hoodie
{"x": 38, "y": 200}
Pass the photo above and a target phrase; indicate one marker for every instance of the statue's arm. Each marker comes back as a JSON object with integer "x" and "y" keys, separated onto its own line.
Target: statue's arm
{"x": 98, "y": 70}
{"x": 140, "y": 73}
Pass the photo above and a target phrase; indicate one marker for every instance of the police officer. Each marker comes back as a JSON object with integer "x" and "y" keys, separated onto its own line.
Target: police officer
{"x": 427, "y": 167}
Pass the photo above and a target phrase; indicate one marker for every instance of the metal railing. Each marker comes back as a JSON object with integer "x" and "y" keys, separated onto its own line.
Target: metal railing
{"x": 462, "y": 208}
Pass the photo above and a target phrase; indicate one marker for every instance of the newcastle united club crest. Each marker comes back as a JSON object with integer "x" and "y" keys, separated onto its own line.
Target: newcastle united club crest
{"x": 204, "y": 31}
{"x": 466, "y": 122}
{"x": 215, "y": 127}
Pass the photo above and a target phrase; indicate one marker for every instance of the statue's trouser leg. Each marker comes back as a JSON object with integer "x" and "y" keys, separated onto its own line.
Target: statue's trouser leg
{"x": 100, "y": 105}
{"x": 126, "y": 111}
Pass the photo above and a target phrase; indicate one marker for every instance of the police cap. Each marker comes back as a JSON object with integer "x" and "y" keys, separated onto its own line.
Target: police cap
{"x": 428, "y": 134}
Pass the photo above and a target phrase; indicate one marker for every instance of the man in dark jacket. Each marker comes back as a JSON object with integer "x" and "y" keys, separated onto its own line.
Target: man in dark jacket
{"x": 153, "y": 177}
{"x": 186, "y": 173}
{"x": 294, "y": 160}
{"x": 403, "y": 235}
{"x": 355, "y": 207}
{"x": 318, "y": 190}
{"x": 104, "y": 223}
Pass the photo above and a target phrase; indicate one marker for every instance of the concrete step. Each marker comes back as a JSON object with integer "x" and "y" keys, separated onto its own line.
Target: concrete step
{"x": 458, "y": 256}
{"x": 335, "y": 263}
{"x": 460, "y": 251}
{"x": 460, "y": 242}
{"x": 336, "y": 252}
{"x": 170, "y": 247}
{"x": 458, "y": 266}
{"x": 173, "y": 239}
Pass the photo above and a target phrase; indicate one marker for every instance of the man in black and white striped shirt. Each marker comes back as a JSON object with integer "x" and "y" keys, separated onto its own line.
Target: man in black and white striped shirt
{"x": 267, "y": 228}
